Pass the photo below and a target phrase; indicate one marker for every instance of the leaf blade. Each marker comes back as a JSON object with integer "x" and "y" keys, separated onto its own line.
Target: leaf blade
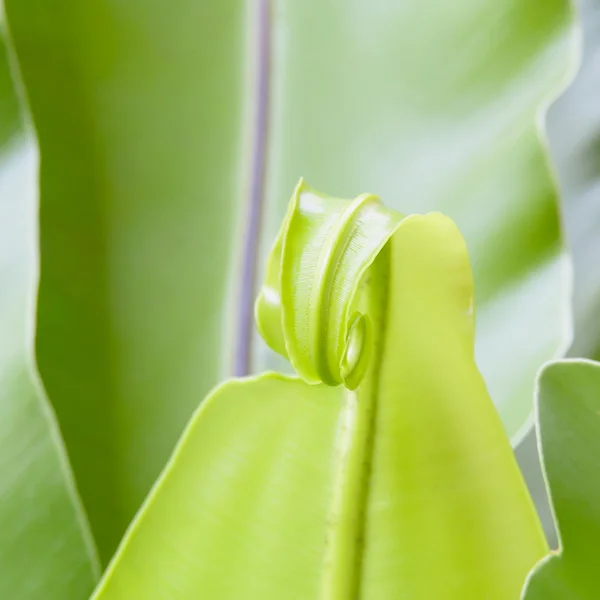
{"x": 140, "y": 123}
{"x": 417, "y": 500}
{"x": 275, "y": 427}
{"x": 46, "y": 549}
{"x": 448, "y": 515}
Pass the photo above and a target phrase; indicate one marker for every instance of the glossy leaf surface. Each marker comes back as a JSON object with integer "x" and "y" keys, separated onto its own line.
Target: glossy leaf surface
{"x": 45, "y": 545}
{"x": 405, "y": 486}
{"x": 569, "y": 432}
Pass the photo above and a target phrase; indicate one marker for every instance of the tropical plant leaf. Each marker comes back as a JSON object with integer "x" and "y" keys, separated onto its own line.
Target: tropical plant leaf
{"x": 168, "y": 135}
{"x": 138, "y": 111}
{"x": 568, "y": 405}
{"x": 45, "y": 545}
{"x": 399, "y": 483}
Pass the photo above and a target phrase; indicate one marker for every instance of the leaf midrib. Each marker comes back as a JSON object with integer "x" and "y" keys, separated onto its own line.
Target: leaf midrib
{"x": 345, "y": 548}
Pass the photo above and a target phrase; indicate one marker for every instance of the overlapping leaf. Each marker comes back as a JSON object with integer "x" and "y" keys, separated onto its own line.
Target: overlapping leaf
{"x": 399, "y": 483}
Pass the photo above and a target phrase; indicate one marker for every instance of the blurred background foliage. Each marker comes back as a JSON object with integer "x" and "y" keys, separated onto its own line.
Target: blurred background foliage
{"x": 573, "y": 124}
{"x": 170, "y": 138}
{"x": 573, "y": 129}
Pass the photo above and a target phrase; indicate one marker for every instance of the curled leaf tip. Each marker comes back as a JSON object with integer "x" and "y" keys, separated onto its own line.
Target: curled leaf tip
{"x": 314, "y": 305}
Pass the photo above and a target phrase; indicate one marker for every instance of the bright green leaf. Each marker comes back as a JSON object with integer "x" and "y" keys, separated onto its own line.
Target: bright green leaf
{"x": 404, "y": 487}
{"x": 45, "y": 546}
{"x": 568, "y": 417}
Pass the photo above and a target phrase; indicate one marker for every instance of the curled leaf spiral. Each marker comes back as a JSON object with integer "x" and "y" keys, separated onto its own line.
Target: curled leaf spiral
{"x": 307, "y": 309}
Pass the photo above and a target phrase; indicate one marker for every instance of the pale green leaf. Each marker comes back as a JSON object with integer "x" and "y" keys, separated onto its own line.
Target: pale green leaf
{"x": 568, "y": 423}
{"x": 45, "y": 545}
{"x": 138, "y": 110}
{"x": 404, "y": 487}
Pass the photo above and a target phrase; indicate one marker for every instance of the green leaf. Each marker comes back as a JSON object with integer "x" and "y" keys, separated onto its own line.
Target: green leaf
{"x": 400, "y": 483}
{"x": 45, "y": 545}
{"x": 138, "y": 110}
{"x": 568, "y": 422}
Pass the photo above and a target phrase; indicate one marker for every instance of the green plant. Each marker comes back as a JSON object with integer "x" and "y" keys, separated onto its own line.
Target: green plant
{"x": 159, "y": 144}
{"x": 386, "y": 462}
